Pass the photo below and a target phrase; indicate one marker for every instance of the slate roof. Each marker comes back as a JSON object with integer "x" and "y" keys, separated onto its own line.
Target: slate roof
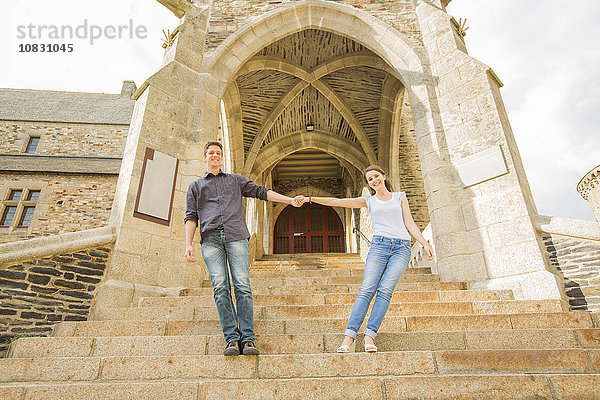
{"x": 74, "y": 107}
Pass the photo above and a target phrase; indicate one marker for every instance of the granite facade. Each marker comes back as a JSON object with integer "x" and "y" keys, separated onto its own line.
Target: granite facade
{"x": 59, "y": 139}
{"x": 578, "y": 261}
{"x": 67, "y": 202}
{"x": 36, "y": 294}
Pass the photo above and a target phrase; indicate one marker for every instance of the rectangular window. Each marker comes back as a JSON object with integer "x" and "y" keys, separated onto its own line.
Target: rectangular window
{"x": 33, "y": 195}
{"x": 15, "y": 195}
{"x": 26, "y": 217}
{"x": 32, "y": 144}
{"x": 8, "y": 216}
{"x": 19, "y": 207}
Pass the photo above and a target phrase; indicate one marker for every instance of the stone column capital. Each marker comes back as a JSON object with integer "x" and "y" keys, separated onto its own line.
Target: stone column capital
{"x": 178, "y": 7}
{"x": 589, "y": 182}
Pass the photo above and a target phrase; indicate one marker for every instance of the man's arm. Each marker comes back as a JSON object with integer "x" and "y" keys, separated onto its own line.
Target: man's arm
{"x": 190, "y": 230}
{"x": 191, "y": 221}
{"x": 279, "y": 198}
{"x": 251, "y": 189}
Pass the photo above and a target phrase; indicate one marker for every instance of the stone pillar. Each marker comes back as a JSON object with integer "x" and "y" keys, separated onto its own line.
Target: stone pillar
{"x": 589, "y": 189}
{"x": 148, "y": 256}
{"x": 478, "y": 196}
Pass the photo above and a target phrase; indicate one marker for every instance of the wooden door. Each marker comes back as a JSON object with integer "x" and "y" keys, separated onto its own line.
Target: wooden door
{"x": 311, "y": 228}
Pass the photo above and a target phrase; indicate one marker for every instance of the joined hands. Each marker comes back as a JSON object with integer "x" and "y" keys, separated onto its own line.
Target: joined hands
{"x": 299, "y": 200}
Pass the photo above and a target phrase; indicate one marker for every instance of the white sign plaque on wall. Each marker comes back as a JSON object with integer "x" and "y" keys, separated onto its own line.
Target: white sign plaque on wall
{"x": 157, "y": 185}
{"x": 482, "y": 166}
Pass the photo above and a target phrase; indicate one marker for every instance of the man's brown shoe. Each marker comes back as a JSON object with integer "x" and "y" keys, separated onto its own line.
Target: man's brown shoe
{"x": 232, "y": 349}
{"x": 249, "y": 349}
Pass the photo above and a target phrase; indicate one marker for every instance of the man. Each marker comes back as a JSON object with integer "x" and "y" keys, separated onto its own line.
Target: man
{"x": 215, "y": 201}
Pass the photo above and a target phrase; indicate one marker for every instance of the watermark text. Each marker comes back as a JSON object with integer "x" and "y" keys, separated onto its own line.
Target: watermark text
{"x": 85, "y": 30}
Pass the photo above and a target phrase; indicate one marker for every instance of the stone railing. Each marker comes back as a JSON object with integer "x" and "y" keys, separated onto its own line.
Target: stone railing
{"x": 573, "y": 247}
{"x": 56, "y": 244}
{"x": 47, "y": 280}
{"x": 417, "y": 252}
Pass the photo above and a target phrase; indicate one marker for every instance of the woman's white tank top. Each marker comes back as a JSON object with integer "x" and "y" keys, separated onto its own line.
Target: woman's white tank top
{"x": 387, "y": 216}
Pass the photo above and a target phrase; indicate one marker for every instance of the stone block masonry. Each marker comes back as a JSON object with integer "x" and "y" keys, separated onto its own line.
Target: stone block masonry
{"x": 228, "y": 16}
{"x": 329, "y": 185}
{"x": 67, "y": 203}
{"x": 578, "y": 260}
{"x": 36, "y": 294}
{"x": 56, "y": 139}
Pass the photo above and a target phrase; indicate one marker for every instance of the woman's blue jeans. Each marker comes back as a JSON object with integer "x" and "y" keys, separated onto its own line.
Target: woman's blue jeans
{"x": 217, "y": 253}
{"x": 387, "y": 260}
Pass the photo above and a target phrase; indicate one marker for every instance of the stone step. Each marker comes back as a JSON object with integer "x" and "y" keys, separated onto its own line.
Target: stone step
{"x": 310, "y": 256}
{"x": 324, "y": 365}
{"x": 347, "y": 288}
{"x": 323, "y": 272}
{"x": 509, "y": 339}
{"x": 409, "y": 309}
{"x": 334, "y": 310}
{"x": 294, "y": 326}
{"x": 309, "y": 259}
{"x": 440, "y": 323}
{"x": 332, "y": 298}
{"x": 334, "y": 263}
{"x": 446, "y": 387}
{"x": 326, "y": 280}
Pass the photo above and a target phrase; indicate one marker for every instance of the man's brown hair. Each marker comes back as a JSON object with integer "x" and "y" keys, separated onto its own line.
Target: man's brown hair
{"x": 207, "y": 145}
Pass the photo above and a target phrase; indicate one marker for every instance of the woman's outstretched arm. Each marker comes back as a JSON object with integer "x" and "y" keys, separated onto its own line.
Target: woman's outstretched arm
{"x": 413, "y": 229}
{"x": 355, "y": 202}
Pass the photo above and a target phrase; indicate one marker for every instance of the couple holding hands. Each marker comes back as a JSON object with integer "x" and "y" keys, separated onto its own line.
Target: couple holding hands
{"x": 214, "y": 202}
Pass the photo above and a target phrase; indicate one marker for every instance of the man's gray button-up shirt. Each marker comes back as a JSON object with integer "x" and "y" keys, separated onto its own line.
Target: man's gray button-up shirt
{"x": 216, "y": 202}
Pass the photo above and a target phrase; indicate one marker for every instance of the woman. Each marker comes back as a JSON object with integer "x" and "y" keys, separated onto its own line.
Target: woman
{"x": 388, "y": 256}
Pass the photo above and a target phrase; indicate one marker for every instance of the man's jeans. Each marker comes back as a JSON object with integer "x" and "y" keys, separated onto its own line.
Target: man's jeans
{"x": 386, "y": 262}
{"x": 217, "y": 253}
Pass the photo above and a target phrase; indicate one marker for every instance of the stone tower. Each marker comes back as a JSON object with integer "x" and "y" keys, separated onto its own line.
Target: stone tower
{"x": 305, "y": 94}
{"x": 589, "y": 188}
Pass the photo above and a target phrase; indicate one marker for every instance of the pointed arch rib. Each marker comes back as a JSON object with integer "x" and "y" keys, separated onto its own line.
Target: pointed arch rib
{"x": 261, "y": 63}
{"x": 233, "y": 112}
{"x": 352, "y": 60}
{"x": 378, "y": 36}
{"x": 324, "y": 141}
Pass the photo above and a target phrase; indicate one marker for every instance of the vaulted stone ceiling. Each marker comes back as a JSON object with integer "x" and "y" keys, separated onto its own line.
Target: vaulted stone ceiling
{"x": 312, "y": 78}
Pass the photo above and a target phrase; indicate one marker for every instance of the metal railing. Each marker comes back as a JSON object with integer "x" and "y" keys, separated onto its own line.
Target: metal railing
{"x": 417, "y": 252}
{"x": 362, "y": 235}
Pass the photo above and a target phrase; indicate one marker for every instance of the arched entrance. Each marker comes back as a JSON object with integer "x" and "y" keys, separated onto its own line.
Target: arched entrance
{"x": 311, "y": 228}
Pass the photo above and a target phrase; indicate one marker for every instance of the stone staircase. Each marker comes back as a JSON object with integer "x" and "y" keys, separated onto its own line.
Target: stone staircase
{"x": 439, "y": 340}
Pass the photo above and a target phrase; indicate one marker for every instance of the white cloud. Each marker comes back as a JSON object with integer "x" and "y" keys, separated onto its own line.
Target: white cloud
{"x": 98, "y": 67}
{"x": 546, "y": 56}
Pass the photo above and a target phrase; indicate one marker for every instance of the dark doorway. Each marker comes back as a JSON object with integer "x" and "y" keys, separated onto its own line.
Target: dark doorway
{"x": 311, "y": 228}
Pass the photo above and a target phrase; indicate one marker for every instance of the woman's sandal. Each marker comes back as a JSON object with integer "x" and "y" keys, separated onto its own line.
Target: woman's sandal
{"x": 343, "y": 348}
{"x": 370, "y": 348}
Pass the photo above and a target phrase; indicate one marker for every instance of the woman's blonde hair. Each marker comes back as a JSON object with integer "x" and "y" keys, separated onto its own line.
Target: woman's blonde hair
{"x": 377, "y": 168}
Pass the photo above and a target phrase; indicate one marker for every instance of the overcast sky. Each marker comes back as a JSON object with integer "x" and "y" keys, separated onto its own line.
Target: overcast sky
{"x": 546, "y": 54}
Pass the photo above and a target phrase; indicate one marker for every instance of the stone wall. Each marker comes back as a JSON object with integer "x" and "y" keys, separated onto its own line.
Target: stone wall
{"x": 409, "y": 166}
{"x": 227, "y": 16}
{"x": 68, "y": 202}
{"x": 329, "y": 185}
{"x": 36, "y": 294}
{"x": 58, "y": 139}
{"x": 578, "y": 261}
